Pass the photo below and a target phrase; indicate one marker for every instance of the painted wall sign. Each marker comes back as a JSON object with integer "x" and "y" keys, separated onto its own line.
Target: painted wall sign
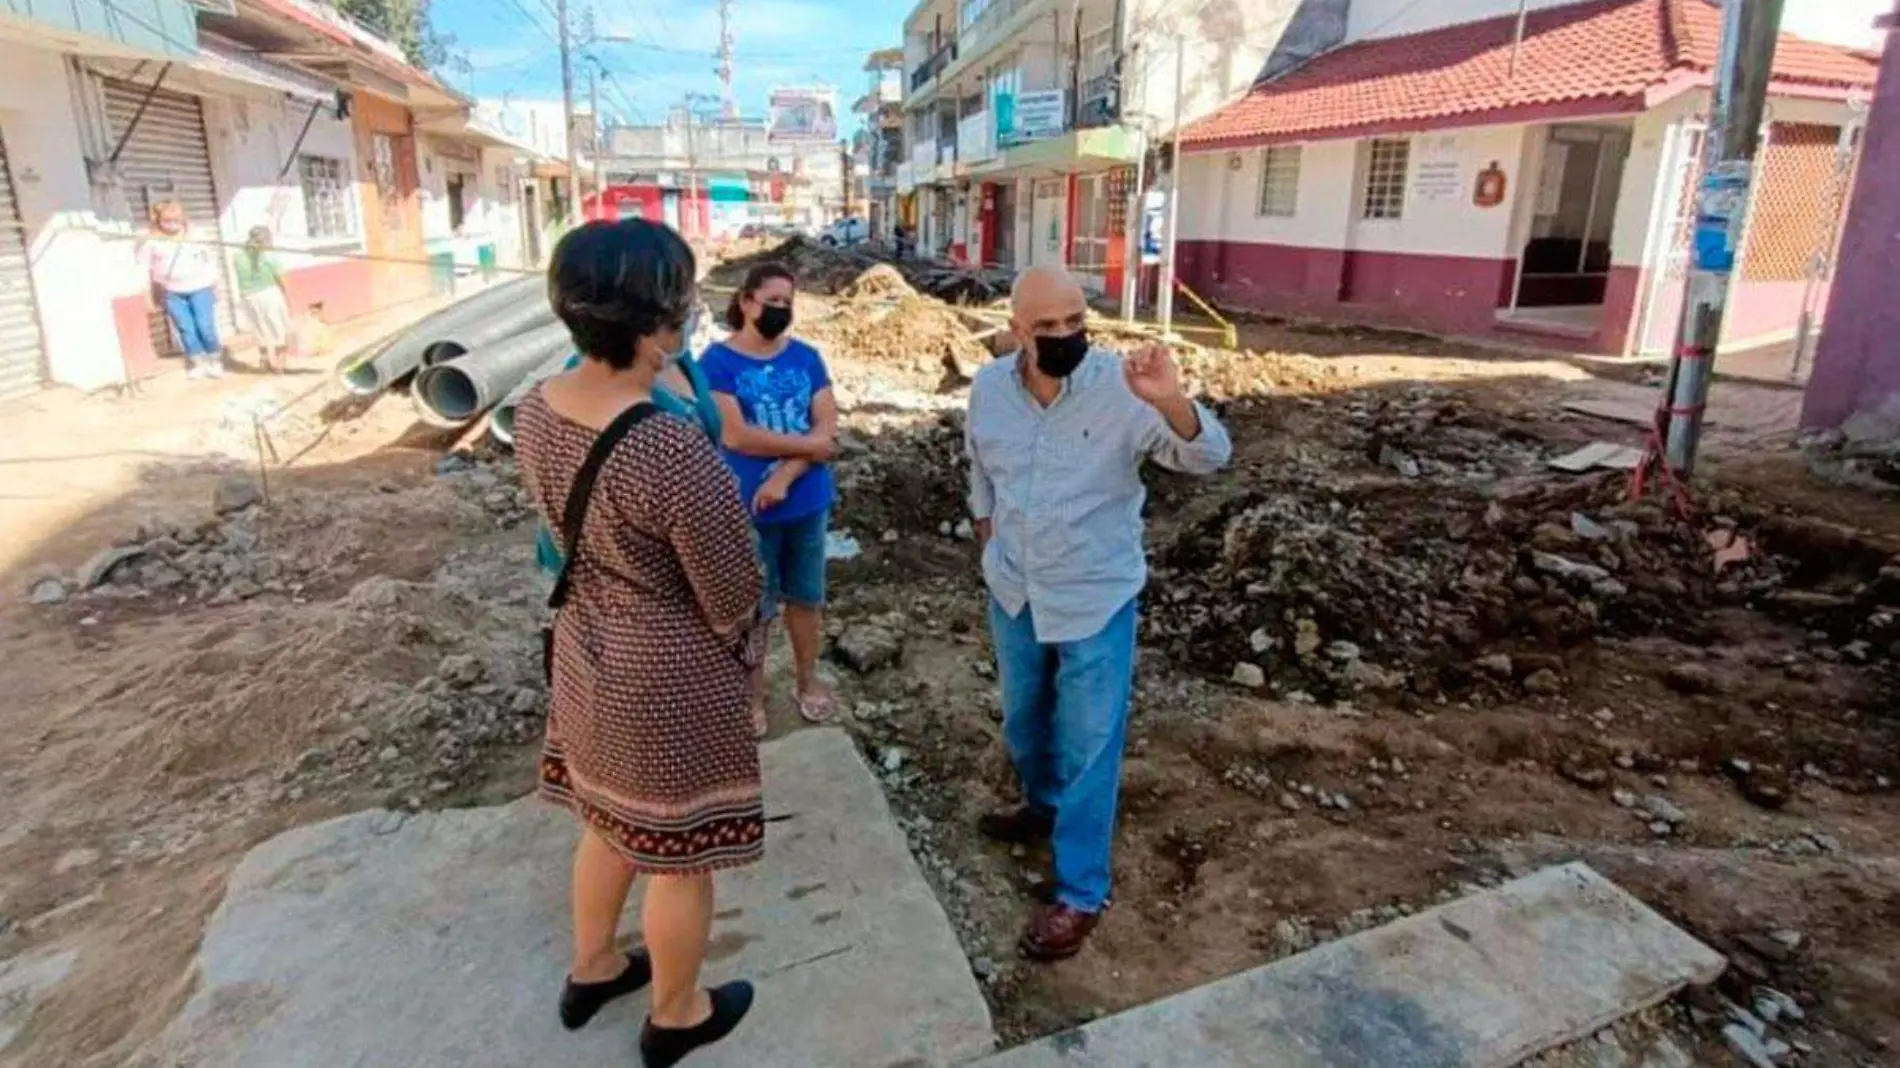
{"x": 1439, "y": 176}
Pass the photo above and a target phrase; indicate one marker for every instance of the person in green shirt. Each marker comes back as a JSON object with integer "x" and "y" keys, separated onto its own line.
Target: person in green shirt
{"x": 260, "y": 280}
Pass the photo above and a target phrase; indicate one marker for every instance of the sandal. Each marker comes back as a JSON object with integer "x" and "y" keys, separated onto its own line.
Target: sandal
{"x": 817, "y": 709}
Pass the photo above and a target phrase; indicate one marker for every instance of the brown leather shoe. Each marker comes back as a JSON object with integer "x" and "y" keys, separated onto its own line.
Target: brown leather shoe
{"x": 1057, "y": 932}
{"x": 1018, "y": 826}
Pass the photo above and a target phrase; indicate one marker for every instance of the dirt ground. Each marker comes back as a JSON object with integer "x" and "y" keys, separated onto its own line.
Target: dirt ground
{"x": 1465, "y": 666}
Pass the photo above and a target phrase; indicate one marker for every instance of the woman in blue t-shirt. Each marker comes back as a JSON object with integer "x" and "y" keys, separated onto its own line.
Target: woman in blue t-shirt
{"x": 779, "y": 424}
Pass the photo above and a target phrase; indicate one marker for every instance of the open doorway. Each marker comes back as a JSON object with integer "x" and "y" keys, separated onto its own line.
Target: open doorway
{"x": 1564, "y": 272}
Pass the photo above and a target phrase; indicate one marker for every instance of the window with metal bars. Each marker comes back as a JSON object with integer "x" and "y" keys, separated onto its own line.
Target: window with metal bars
{"x": 1280, "y": 181}
{"x": 1387, "y": 165}
{"x": 329, "y": 202}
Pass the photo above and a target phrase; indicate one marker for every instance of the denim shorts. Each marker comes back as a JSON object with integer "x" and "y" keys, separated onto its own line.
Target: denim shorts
{"x": 794, "y": 556}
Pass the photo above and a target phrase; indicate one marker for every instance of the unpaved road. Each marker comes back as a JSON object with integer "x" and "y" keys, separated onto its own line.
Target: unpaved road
{"x": 1442, "y": 710}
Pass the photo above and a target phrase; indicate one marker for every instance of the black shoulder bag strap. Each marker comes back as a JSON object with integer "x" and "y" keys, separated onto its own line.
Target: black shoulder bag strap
{"x": 574, "y": 518}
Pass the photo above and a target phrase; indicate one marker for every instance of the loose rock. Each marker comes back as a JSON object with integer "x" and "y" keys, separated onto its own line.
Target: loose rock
{"x": 869, "y": 647}
{"x": 235, "y": 494}
{"x": 1252, "y": 676}
{"x": 48, "y": 592}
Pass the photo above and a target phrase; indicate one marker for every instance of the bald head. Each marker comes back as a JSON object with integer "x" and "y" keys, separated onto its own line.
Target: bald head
{"x": 1047, "y": 302}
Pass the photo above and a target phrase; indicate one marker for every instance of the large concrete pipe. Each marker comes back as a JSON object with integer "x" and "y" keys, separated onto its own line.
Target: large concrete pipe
{"x": 403, "y": 353}
{"x": 482, "y": 333}
{"x": 455, "y": 392}
{"x": 502, "y": 426}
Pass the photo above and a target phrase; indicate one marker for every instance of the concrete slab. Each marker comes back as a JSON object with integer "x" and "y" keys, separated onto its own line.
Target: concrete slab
{"x": 1484, "y": 982}
{"x": 439, "y": 940}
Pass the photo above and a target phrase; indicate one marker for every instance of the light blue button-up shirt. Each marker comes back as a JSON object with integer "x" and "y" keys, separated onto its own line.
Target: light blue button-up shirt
{"x": 1061, "y": 487}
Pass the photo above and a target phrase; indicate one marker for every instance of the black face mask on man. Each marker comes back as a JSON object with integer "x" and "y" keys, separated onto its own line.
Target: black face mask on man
{"x": 774, "y": 319}
{"x": 1058, "y": 357}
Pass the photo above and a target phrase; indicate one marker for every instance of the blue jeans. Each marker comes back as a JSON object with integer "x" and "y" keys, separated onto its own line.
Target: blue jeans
{"x": 793, "y": 553}
{"x": 194, "y": 318}
{"x": 1065, "y": 721}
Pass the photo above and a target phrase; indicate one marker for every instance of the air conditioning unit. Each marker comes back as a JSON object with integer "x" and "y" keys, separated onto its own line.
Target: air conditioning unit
{"x": 227, "y": 8}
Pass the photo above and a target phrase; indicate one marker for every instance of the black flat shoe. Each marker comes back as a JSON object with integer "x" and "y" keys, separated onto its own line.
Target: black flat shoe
{"x": 580, "y": 1001}
{"x": 664, "y": 1047}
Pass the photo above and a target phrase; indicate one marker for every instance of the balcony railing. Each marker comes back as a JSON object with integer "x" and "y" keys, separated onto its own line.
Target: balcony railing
{"x": 933, "y": 66}
{"x": 1099, "y": 105}
{"x": 976, "y": 137}
{"x": 978, "y": 31}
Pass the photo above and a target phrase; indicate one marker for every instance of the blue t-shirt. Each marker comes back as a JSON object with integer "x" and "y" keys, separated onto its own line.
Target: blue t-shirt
{"x": 776, "y": 395}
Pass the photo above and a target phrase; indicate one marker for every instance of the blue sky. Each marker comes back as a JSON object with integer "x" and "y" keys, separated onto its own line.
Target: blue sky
{"x": 510, "y": 47}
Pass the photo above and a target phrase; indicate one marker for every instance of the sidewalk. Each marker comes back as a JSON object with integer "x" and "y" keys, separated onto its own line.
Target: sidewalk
{"x": 64, "y": 454}
{"x": 439, "y": 941}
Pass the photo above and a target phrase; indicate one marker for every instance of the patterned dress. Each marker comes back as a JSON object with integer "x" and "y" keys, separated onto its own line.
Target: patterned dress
{"x": 650, "y": 740}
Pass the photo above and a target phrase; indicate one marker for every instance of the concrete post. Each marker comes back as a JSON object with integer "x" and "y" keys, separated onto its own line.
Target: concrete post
{"x": 1857, "y": 367}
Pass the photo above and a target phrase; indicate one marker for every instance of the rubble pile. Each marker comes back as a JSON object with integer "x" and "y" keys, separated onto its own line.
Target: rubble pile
{"x": 911, "y": 481}
{"x": 240, "y": 551}
{"x": 861, "y": 270}
{"x": 1329, "y": 593}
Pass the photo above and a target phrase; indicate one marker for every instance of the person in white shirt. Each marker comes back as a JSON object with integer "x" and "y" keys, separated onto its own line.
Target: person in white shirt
{"x": 186, "y": 274}
{"x": 1058, "y": 432}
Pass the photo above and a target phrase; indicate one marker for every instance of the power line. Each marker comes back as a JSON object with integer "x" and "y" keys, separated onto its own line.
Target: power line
{"x": 529, "y": 18}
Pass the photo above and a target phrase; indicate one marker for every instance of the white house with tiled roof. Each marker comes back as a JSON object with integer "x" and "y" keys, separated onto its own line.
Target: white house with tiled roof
{"x": 1429, "y": 167}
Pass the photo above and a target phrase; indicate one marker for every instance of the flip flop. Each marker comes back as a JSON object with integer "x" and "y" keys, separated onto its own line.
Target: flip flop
{"x": 817, "y": 710}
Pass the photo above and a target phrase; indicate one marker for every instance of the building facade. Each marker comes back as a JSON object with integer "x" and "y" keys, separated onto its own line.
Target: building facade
{"x": 1025, "y": 119}
{"x": 1428, "y": 167}
{"x": 102, "y": 117}
{"x": 711, "y": 176}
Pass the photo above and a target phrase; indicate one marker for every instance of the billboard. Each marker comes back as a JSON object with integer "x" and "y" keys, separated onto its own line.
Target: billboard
{"x": 803, "y": 116}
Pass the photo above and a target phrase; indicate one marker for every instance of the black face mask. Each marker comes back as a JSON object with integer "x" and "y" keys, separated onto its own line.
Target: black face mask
{"x": 773, "y": 320}
{"x": 1058, "y": 357}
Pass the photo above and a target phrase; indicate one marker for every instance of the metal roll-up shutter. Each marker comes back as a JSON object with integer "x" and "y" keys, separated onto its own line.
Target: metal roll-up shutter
{"x": 168, "y": 158}
{"x": 22, "y": 353}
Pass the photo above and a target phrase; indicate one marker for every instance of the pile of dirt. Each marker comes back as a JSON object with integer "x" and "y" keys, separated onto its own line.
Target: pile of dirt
{"x": 916, "y": 335}
{"x": 913, "y": 482}
{"x": 881, "y": 281}
{"x": 820, "y": 269}
{"x": 316, "y": 638}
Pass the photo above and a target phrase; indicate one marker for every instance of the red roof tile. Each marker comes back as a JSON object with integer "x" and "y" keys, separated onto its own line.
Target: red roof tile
{"x": 1596, "y": 57}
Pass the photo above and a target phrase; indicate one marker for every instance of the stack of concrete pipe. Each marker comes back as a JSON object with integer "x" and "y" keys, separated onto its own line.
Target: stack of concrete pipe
{"x": 401, "y": 355}
{"x": 456, "y": 391}
{"x": 502, "y": 425}
{"x": 461, "y": 361}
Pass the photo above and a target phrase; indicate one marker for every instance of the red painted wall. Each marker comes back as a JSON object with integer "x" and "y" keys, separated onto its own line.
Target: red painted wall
{"x": 133, "y": 324}
{"x": 1622, "y": 301}
{"x": 342, "y": 291}
{"x": 1442, "y": 294}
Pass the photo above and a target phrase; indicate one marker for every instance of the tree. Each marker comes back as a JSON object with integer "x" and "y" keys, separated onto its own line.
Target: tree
{"x": 406, "y": 23}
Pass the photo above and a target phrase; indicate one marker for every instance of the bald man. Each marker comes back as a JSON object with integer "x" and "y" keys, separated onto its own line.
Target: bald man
{"x": 1057, "y": 434}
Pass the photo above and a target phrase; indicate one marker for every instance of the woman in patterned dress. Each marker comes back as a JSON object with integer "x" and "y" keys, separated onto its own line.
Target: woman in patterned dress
{"x": 649, "y": 740}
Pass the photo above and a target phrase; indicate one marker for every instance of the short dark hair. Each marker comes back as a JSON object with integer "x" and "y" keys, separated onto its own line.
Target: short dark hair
{"x": 614, "y": 283}
{"x": 755, "y": 280}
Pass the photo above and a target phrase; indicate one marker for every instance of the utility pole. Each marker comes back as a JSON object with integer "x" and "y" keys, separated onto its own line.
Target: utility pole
{"x": 726, "y": 106}
{"x": 1743, "y": 69}
{"x": 1517, "y": 43}
{"x": 600, "y": 182}
{"x": 692, "y": 175}
{"x": 1165, "y": 299}
{"x": 567, "y": 109}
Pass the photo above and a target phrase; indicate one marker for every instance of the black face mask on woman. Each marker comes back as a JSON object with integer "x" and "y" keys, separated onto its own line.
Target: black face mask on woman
{"x": 773, "y": 320}
{"x": 1058, "y": 357}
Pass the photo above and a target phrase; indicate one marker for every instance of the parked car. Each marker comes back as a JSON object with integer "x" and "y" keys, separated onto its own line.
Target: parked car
{"x": 847, "y": 231}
